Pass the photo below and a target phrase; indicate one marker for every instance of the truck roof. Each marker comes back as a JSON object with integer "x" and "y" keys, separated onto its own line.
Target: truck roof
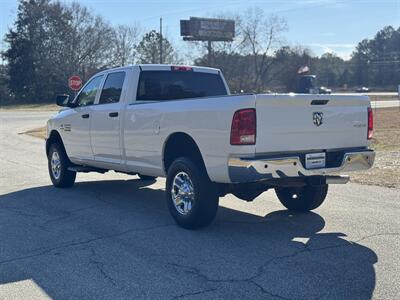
{"x": 167, "y": 67}
{"x": 164, "y": 67}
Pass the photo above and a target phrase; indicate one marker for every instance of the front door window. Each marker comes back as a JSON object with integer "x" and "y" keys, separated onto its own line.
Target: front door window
{"x": 88, "y": 95}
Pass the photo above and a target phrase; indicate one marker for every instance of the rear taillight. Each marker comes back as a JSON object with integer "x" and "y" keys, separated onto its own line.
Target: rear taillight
{"x": 370, "y": 123}
{"x": 243, "y": 130}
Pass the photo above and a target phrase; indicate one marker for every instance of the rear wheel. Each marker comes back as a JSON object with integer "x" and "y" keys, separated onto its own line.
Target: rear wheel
{"x": 304, "y": 198}
{"x": 58, "y": 164}
{"x": 192, "y": 198}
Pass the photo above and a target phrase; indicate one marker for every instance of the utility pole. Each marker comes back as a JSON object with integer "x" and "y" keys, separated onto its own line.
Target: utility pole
{"x": 209, "y": 48}
{"x": 161, "y": 42}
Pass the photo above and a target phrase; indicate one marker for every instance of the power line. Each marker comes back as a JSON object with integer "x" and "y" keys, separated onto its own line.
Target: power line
{"x": 304, "y": 7}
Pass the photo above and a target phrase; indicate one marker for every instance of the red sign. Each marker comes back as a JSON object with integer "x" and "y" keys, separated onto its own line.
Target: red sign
{"x": 75, "y": 83}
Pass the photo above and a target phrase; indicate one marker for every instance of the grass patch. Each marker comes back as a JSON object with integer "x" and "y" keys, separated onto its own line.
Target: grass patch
{"x": 386, "y": 142}
{"x": 387, "y": 129}
{"x": 37, "y": 132}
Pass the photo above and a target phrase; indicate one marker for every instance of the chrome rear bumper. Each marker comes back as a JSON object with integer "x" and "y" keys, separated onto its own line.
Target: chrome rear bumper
{"x": 252, "y": 170}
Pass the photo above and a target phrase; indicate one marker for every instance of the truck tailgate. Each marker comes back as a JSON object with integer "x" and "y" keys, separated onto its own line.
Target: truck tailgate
{"x": 310, "y": 122}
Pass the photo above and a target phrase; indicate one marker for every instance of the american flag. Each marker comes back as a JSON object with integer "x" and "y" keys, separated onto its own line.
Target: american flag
{"x": 303, "y": 69}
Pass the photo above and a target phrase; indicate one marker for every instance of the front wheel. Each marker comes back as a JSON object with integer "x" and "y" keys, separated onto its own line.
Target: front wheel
{"x": 304, "y": 198}
{"x": 58, "y": 163}
{"x": 192, "y": 198}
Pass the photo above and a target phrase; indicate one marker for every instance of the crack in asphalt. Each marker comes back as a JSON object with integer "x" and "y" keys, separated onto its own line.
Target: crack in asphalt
{"x": 100, "y": 267}
{"x": 266, "y": 292}
{"x": 262, "y": 268}
{"x": 195, "y": 271}
{"x": 84, "y": 242}
{"x": 377, "y": 234}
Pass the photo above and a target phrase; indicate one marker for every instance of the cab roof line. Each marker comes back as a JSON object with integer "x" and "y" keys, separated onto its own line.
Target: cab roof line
{"x": 166, "y": 67}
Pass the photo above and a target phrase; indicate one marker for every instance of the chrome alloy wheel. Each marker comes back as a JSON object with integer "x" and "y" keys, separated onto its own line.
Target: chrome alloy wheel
{"x": 55, "y": 164}
{"x": 182, "y": 193}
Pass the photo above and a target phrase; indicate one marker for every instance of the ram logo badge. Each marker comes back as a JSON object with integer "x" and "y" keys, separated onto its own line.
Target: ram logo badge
{"x": 65, "y": 127}
{"x": 318, "y": 118}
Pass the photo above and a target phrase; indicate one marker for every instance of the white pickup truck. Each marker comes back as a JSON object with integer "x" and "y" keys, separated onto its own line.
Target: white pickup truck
{"x": 182, "y": 123}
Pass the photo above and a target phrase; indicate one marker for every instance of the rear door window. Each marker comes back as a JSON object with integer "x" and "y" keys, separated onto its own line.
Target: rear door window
{"x": 112, "y": 89}
{"x": 172, "y": 85}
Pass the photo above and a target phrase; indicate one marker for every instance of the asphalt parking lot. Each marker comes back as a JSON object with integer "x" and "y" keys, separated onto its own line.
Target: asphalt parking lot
{"x": 110, "y": 236}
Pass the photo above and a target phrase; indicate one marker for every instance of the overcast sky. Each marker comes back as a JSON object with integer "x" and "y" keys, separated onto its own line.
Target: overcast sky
{"x": 322, "y": 25}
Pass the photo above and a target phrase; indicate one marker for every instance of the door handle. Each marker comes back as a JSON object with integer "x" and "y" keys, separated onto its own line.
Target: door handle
{"x": 85, "y": 116}
{"x": 113, "y": 114}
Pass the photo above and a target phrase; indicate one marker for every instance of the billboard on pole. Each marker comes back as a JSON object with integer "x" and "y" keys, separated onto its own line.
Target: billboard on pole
{"x": 206, "y": 29}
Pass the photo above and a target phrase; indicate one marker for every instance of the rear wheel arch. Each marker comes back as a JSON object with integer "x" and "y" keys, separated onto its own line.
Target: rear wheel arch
{"x": 181, "y": 144}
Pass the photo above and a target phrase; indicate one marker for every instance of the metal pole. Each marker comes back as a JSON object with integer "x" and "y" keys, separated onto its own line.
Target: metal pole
{"x": 209, "y": 53}
{"x": 161, "y": 42}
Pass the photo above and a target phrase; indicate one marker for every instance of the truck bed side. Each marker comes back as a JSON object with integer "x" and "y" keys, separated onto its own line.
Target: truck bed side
{"x": 207, "y": 120}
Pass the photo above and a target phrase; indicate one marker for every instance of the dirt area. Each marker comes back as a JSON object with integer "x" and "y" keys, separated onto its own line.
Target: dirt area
{"x": 385, "y": 172}
{"x": 378, "y": 97}
{"x": 386, "y": 142}
{"x": 37, "y": 132}
{"x": 387, "y": 129}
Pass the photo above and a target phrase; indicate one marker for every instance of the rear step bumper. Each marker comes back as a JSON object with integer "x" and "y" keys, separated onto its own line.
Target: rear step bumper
{"x": 252, "y": 170}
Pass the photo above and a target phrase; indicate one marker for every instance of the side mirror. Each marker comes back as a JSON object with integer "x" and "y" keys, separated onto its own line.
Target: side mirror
{"x": 62, "y": 100}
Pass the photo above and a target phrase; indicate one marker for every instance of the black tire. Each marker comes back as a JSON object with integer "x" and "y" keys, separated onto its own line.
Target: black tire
{"x": 146, "y": 177}
{"x": 302, "y": 199}
{"x": 205, "y": 203}
{"x": 65, "y": 178}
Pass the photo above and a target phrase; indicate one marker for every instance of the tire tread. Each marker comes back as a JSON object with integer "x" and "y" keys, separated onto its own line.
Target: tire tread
{"x": 311, "y": 197}
{"x": 67, "y": 178}
{"x": 207, "y": 198}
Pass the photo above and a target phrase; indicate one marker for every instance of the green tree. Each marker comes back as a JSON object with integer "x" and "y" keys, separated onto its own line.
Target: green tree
{"x": 330, "y": 68}
{"x": 5, "y": 94}
{"x": 33, "y": 48}
{"x": 51, "y": 41}
{"x": 148, "y": 50}
{"x": 377, "y": 61}
{"x": 237, "y": 69}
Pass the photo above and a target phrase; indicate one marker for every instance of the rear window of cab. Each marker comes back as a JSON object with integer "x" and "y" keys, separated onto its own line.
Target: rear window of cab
{"x": 174, "y": 85}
